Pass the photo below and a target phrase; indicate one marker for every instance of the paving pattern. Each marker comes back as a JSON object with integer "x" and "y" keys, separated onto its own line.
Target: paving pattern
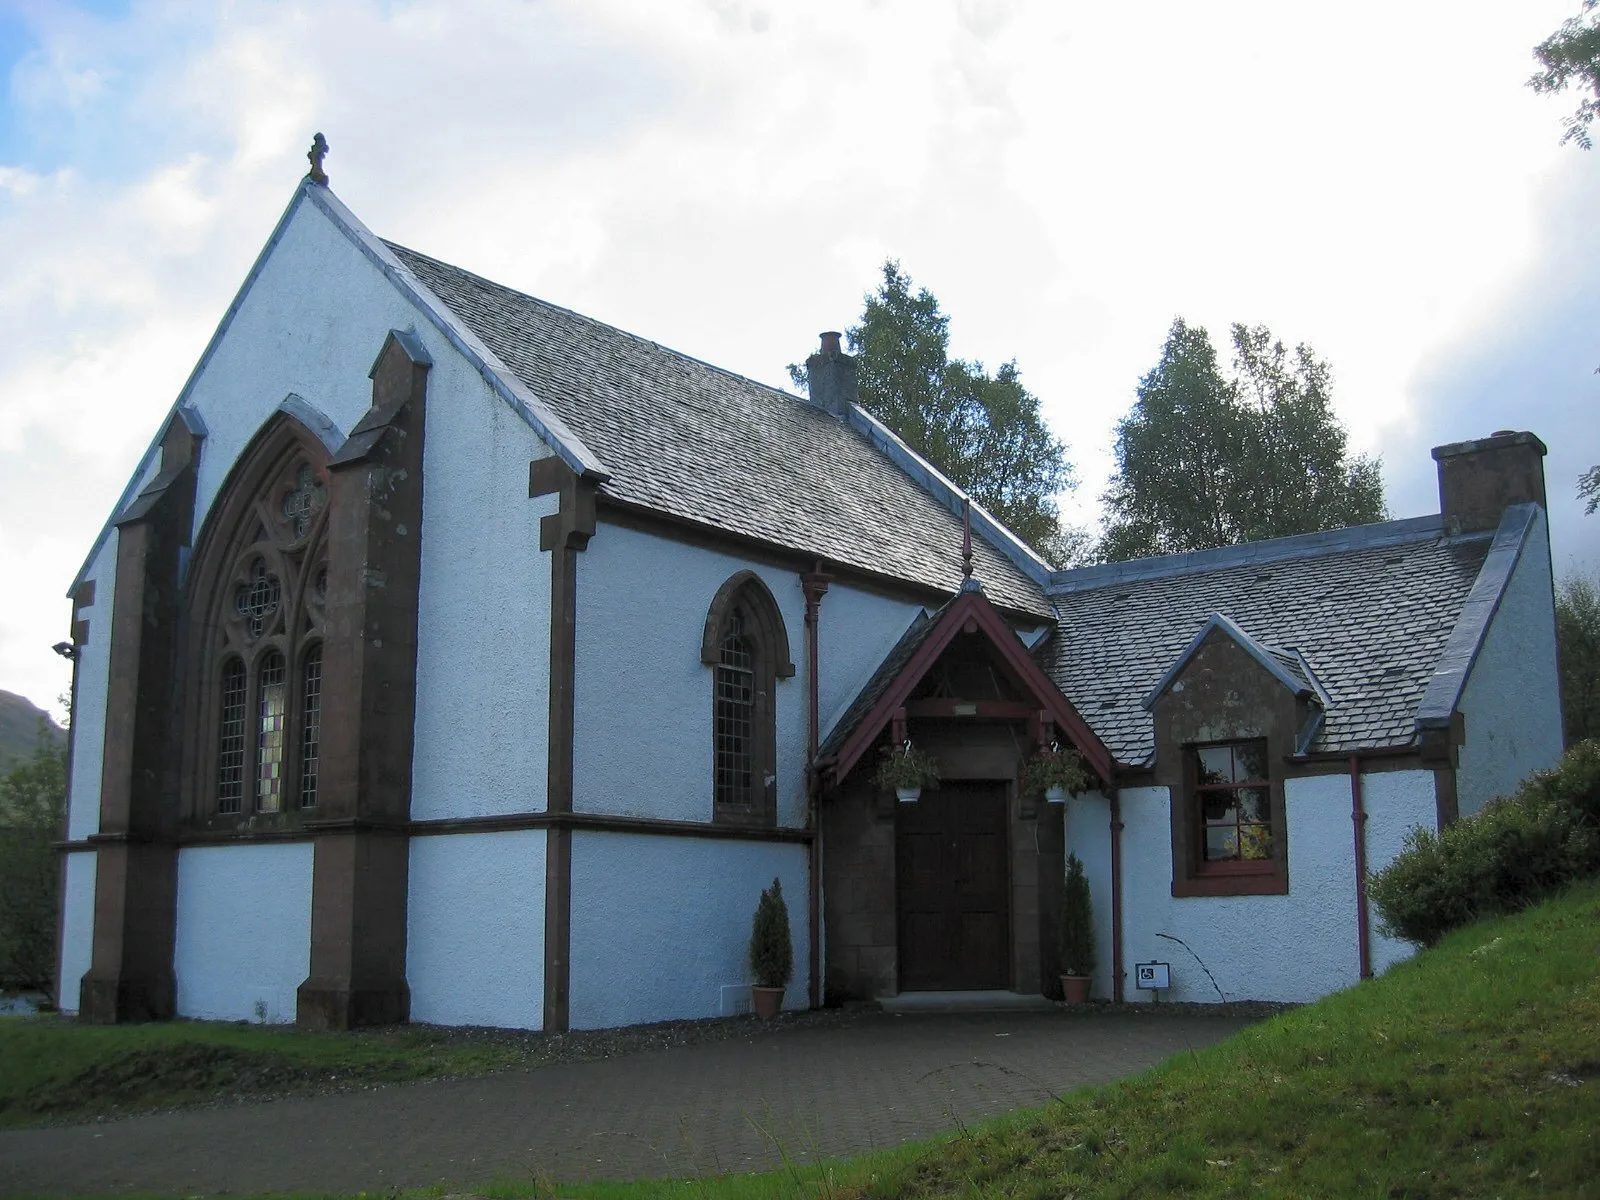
{"x": 696, "y": 1110}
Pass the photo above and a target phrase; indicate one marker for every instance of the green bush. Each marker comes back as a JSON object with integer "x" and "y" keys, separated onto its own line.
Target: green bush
{"x": 771, "y": 955}
{"x": 33, "y": 797}
{"x": 1513, "y": 853}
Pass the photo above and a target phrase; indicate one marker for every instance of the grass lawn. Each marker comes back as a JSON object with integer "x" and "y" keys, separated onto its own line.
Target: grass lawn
{"x": 52, "y": 1067}
{"x": 1473, "y": 1070}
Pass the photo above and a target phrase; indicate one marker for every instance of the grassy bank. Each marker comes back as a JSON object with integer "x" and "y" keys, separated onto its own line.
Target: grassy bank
{"x": 1473, "y": 1070}
{"x": 55, "y": 1068}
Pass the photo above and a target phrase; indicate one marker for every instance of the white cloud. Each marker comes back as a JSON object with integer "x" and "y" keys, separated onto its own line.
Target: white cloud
{"x": 725, "y": 177}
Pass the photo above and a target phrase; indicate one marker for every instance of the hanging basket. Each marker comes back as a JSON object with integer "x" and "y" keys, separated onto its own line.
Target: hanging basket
{"x": 1056, "y": 795}
{"x": 908, "y": 795}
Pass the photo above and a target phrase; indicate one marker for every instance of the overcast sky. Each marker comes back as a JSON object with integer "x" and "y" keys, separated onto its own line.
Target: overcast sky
{"x": 724, "y": 176}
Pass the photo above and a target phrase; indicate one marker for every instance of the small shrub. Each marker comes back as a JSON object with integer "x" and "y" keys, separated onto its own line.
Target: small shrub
{"x": 1077, "y": 922}
{"x": 771, "y": 955}
{"x": 1513, "y": 853}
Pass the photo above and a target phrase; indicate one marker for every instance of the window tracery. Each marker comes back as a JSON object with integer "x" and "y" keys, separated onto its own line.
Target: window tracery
{"x": 259, "y": 594}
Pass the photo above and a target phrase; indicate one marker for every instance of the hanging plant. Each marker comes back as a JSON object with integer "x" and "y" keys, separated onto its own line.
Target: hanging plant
{"x": 906, "y": 769}
{"x": 1056, "y": 773}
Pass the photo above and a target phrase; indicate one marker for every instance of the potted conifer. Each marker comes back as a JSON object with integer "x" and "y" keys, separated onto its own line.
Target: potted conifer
{"x": 771, "y": 954}
{"x": 906, "y": 770}
{"x": 1055, "y": 773}
{"x": 1076, "y": 934}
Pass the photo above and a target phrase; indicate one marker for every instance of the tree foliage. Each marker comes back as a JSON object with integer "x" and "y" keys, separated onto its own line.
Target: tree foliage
{"x": 1578, "y": 652}
{"x": 1570, "y": 57}
{"x": 33, "y": 797}
{"x": 1210, "y": 457}
{"x": 1589, "y": 489}
{"x": 984, "y": 431}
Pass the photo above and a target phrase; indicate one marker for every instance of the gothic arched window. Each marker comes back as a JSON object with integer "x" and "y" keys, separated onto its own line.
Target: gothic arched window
{"x": 747, "y": 649}
{"x": 258, "y": 591}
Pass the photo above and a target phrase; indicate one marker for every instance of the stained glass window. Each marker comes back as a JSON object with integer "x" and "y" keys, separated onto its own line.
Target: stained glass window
{"x": 270, "y": 731}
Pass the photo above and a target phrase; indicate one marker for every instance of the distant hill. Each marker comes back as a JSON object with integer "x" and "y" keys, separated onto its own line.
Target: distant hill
{"x": 19, "y": 728}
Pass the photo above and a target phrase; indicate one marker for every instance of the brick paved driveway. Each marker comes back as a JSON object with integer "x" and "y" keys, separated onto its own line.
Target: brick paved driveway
{"x": 703, "y": 1109}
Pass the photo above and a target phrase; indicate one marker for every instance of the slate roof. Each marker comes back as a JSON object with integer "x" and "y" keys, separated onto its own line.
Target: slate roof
{"x": 1371, "y": 609}
{"x": 682, "y": 437}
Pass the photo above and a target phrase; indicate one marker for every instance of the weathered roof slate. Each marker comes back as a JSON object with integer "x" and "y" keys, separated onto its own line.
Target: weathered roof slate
{"x": 682, "y": 437}
{"x": 1370, "y": 613}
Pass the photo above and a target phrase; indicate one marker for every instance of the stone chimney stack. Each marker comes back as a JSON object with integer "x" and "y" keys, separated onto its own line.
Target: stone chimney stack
{"x": 1479, "y": 480}
{"x": 831, "y": 377}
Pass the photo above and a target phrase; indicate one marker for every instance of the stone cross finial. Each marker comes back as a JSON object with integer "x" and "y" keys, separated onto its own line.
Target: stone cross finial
{"x": 318, "y": 152}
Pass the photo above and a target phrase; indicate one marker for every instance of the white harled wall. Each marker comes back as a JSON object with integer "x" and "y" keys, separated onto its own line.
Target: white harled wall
{"x": 243, "y": 942}
{"x": 1291, "y": 948}
{"x": 642, "y": 699}
{"x": 311, "y": 325}
{"x": 475, "y": 929}
{"x": 660, "y": 925}
{"x": 1512, "y": 701}
{"x": 77, "y": 926}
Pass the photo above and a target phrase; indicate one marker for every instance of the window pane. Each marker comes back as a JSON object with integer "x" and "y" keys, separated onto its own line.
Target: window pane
{"x": 1250, "y": 761}
{"x": 270, "y": 731}
{"x": 1216, "y": 764}
{"x": 1255, "y": 804}
{"x": 735, "y": 717}
{"x": 1219, "y": 808}
{"x": 1255, "y": 841}
{"x": 1222, "y": 843}
{"x": 230, "y": 741}
{"x": 310, "y": 725}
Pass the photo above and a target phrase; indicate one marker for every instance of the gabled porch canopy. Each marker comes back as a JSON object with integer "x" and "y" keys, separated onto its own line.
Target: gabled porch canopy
{"x": 884, "y": 699}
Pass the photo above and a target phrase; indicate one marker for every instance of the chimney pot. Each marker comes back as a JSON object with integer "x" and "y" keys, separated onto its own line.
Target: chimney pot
{"x": 1479, "y": 480}
{"x": 830, "y": 341}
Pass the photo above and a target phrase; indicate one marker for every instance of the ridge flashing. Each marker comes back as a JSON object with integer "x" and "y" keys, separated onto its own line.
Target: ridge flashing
{"x": 1285, "y": 549}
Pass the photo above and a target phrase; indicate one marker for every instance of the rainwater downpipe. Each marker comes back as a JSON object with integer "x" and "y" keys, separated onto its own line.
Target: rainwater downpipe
{"x": 815, "y": 585}
{"x": 1358, "y": 818}
{"x": 1116, "y": 893}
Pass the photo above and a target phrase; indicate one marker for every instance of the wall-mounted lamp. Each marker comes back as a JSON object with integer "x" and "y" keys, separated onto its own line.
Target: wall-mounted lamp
{"x": 67, "y": 650}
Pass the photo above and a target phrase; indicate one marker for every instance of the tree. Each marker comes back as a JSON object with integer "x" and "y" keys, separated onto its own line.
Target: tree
{"x": 33, "y": 797}
{"x": 1589, "y": 489}
{"x": 1578, "y": 652}
{"x": 983, "y": 431}
{"x": 1208, "y": 457}
{"x": 1571, "y": 57}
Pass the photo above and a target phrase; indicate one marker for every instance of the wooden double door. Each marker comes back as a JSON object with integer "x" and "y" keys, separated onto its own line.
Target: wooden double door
{"x": 952, "y": 880}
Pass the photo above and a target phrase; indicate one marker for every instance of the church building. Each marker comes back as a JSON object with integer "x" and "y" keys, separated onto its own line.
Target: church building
{"x": 453, "y": 657}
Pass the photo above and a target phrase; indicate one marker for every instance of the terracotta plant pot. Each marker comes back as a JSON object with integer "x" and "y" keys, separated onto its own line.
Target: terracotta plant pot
{"x": 1076, "y": 988}
{"x": 766, "y": 1001}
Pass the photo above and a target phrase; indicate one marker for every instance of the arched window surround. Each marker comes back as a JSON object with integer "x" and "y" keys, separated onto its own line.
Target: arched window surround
{"x": 746, "y": 647}
{"x": 257, "y": 587}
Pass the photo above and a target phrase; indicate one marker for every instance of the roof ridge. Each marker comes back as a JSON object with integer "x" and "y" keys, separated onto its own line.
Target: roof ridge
{"x": 1285, "y": 549}
{"x": 587, "y": 319}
